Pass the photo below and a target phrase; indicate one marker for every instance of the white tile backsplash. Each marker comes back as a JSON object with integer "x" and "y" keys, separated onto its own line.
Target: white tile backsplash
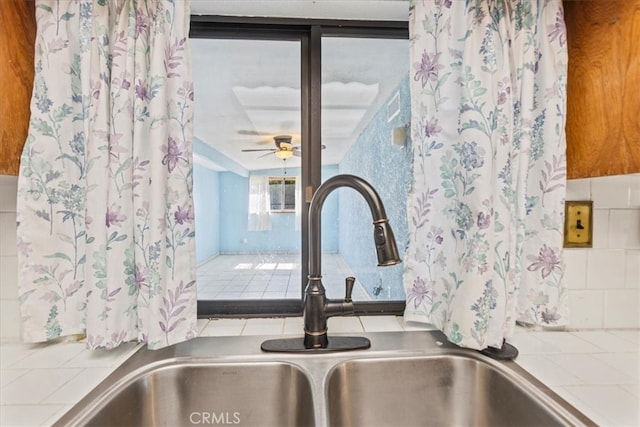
{"x": 611, "y": 191}
{"x": 576, "y": 276}
{"x": 586, "y": 309}
{"x": 621, "y": 308}
{"x": 609, "y": 297}
{"x": 634, "y": 191}
{"x": 600, "y": 228}
{"x": 624, "y": 228}
{"x": 579, "y": 189}
{"x": 8, "y": 246}
{"x": 8, "y": 186}
{"x": 9, "y": 277}
{"x": 605, "y": 268}
{"x": 9, "y": 320}
{"x": 9, "y": 311}
{"x": 632, "y": 276}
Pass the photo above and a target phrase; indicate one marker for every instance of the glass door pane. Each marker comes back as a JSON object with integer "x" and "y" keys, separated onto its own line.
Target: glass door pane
{"x": 364, "y": 115}
{"x": 247, "y": 165}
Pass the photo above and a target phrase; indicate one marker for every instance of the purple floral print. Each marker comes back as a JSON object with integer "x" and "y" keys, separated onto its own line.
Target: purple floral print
{"x": 114, "y": 216}
{"x": 547, "y": 261}
{"x": 174, "y": 154}
{"x": 427, "y": 69}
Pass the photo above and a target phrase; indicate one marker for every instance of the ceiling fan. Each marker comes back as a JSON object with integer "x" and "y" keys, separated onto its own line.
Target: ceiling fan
{"x": 284, "y": 148}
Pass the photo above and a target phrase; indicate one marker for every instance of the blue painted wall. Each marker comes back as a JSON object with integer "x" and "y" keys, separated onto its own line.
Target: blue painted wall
{"x": 330, "y": 223}
{"x": 388, "y": 168}
{"x": 206, "y": 211}
{"x": 283, "y": 236}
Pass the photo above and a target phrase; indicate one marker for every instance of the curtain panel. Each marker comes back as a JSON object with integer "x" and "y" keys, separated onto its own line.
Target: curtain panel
{"x": 105, "y": 212}
{"x": 486, "y": 209}
{"x": 259, "y": 218}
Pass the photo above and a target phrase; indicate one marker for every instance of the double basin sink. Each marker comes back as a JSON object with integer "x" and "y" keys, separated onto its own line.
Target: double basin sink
{"x": 405, "y": 379}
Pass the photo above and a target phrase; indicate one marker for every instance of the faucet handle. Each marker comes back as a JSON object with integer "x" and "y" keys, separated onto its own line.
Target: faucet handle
{"x": 349, "y": 282}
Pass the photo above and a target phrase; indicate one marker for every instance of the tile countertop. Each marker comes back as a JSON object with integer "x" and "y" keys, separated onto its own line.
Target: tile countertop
{"x": 597, "y": 371}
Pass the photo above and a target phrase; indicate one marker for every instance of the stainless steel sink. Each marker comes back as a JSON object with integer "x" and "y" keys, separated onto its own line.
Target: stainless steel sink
{"x": 406, "y": 378}
{"x": 444, "y": 390}
{"x": 172, "y": 389}
{"x": 187, "y": 393}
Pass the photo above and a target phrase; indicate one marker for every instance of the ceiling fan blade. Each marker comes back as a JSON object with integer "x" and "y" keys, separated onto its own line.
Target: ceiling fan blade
{"x": 247, "y": 150}
{"x": 252, "y": 132}
{"x": 265, "y": 155}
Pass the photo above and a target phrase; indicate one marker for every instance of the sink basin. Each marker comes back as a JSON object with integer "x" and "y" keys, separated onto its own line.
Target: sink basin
{"x": 185, "y": 393}
{"x": 448, "y": 390}
{"x": 404, "y": 379}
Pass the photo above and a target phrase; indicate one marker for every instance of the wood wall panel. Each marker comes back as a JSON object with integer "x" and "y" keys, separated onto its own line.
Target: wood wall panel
{"x": 17, "y": 40}
{"x": 603, "y": 105}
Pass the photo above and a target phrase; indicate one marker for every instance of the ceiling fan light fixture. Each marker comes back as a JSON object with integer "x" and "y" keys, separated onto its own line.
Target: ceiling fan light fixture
{"x": 283, "y": 154}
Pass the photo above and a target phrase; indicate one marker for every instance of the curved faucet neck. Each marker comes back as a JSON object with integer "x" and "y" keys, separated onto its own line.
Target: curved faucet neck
{"x": 315, "y": 208}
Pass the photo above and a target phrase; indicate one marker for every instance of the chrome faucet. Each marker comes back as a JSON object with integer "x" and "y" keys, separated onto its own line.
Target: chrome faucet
{"x": 317, "y": 307}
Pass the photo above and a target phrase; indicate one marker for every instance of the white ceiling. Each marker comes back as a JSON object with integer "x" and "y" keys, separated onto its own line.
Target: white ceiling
{"x": 248, "y": 91}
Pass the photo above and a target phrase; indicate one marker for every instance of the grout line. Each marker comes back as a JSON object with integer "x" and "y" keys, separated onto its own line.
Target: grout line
{"x": 244, "y": 325}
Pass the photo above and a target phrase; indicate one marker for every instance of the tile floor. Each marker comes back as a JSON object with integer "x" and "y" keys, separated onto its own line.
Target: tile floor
{"x": 266, "y": 276}
{"x": 597, "y": 371}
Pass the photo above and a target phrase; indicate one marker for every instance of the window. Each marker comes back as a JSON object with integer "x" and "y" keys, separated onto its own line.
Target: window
{"x": 290, "y": 103}
{"x": 282, "y": 192}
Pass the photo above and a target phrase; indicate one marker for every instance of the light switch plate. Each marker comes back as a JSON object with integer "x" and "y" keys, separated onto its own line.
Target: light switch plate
{"x": 578, "y": 224}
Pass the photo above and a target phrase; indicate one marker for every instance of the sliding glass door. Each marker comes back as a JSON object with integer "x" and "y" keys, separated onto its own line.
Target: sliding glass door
{"x": 247, "y": 168}
{"x": 281, "y": 107}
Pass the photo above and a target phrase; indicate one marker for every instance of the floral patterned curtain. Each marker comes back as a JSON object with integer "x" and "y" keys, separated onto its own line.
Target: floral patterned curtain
{"x": 487, "y": 205}
{"x": 105, "y": 214}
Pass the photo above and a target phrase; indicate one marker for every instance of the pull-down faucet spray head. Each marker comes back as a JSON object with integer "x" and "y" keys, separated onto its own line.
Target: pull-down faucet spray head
{"x": 386, "y": 248}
